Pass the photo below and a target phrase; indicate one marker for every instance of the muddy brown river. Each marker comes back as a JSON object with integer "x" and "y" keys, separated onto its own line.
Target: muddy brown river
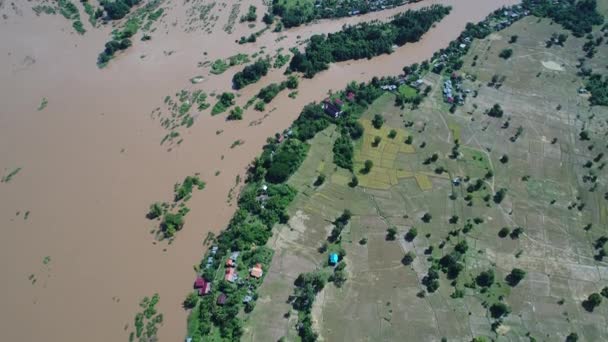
{"x": 92, "y": 161}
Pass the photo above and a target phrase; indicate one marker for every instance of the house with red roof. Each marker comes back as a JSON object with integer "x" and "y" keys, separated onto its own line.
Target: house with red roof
{"x": 202, "y": 285}
{"x": 257, "y": 271}
{"x": 230, "y": 275}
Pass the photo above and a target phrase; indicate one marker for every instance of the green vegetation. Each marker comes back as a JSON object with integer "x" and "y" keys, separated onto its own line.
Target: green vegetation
{"x": 225, "y": 101}
{"x": 8, "y": 177}
{"x": 296, "y": 13}
{"x": 411, "y": 234}
{"x": 286, "y": 160}
{"x": 259, "y": 106}
{"x": 496, "y": 111}
{"x": 598, "y": 87}
{"x": 180, "y": 108}
{"x": 515, "y": 276}
{"x": 593, "y": 301}
{"x": 219, "y": 66}
{"x": 269, "y": 92}
{"x": 251, "y": 15}
{"x": 70, "y": 12}
{"x": 147, "y": 320}
{"x": 184, "y": 190}
{"x": 43, "y": 103}
{"x": 142, "y": 18}
{"x": 344, "y": 152}
{"x": 308, "y": 285}
{"x": 292, "y": 82}
{"x": 280, "y": 60}
{"x": 45, "y": 9}
{"x": 251, "y": 73}
{"x": 378, "y": 121}
{"x": 506, "y": 53}
{"x": 118, "y": 9}
{"x": 576, "y": 16}
{"x": 172, "y": 215}
{"x": 235, "y": 114}
{"x": 365, "y": 40}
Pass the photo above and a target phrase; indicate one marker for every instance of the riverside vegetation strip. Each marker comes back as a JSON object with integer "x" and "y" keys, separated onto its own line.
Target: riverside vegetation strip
{"x": 295, "y": 13}
{"x": 141, "y": 19}
{"x": 262, "y": 206}
{"x": 366, "y": 40}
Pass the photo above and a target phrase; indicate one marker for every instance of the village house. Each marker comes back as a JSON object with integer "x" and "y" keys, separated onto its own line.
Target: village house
{"x": 389, "y": 87}
{"x": 256, "y": 271}
{"x": 333, "y": 259}
{"x": 333, "y": 108}
{"x": 203, "y": 286}
{"x": 231, "y": 275}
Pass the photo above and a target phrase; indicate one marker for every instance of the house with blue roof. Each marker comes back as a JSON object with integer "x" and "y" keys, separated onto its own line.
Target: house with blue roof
{"x": 333, "y": 258}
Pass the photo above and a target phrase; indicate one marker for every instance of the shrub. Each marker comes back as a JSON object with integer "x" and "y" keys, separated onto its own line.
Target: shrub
{"x": 515, "y": 276}
{"x": 592, "y": 302}
{"x": 391, "y": 232}
{"x": 503, "y": 232}
{"x": 411, "y": 234}
{"x": 251, "y": 73}
{"x": 377, "y": 121}
{"x": 191, "y": 300}
{"x": 496, "y": 111}
{"x": 506, "y": 53}
{"x": 367, "y": 167}
{"x": 485, "y": 278}
{"x": 498, "y": 310}
{"x": 408, "y": 258}
{"x": 235, "y": 114}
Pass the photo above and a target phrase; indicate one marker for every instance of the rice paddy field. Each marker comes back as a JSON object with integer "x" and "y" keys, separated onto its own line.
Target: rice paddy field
{"x": 561, "y": 213}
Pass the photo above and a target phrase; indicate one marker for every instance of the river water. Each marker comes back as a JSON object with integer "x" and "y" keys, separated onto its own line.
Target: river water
{"x": 92, "y": 161}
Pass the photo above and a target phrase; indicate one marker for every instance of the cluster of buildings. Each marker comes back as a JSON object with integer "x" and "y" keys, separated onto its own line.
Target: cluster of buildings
{"x": 510, "y": 16}
{"x": 334, "y": 107}
{"x": 230, "y": 272}
{"x": 203, "y": 286}
{"x": 452, "y": 90}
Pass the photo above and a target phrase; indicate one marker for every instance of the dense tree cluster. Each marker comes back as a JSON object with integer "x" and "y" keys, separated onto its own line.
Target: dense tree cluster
{"x": 598, "y": 87}
{"x": 307, "y": 287}
{"x": 285, "y": 161}
{"x": 365, "y": 40}
{"x": 118, "y": 9}
{"x": 576, "y": 16}
{"x": 251, "y": 73}
{"x": 344, "y": 152}
{"x": 270, "y": 91}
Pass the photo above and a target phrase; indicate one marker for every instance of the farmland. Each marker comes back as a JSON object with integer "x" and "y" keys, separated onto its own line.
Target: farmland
{"x": 445, "y": 183}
